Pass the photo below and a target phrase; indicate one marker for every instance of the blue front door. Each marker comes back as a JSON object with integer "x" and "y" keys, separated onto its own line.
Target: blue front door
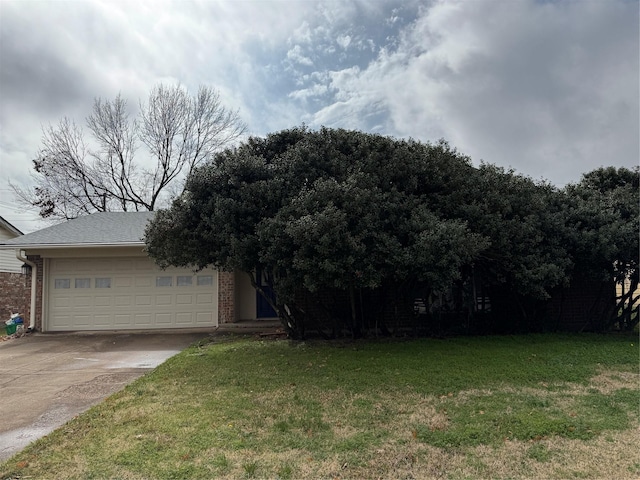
{"x": 263, "y": 309}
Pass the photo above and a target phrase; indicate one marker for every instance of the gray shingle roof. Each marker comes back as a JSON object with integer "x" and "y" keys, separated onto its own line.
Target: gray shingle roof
{"x": 104, "y": 228}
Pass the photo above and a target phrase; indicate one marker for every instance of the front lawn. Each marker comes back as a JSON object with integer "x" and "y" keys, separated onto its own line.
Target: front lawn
{"x": 535, "y": 406}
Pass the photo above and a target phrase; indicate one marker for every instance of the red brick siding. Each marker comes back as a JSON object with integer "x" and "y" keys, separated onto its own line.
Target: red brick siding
{"x": 14, "y": 296}
{"x": 226, "y": 297}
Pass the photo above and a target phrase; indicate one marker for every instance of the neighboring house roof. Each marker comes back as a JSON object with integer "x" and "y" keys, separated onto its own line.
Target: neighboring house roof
{"x": 9, "y": 227}
{"x": 98, "y": 229}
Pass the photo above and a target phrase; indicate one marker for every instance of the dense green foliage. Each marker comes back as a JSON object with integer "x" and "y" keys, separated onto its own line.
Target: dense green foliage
{"x": 603, "y": 219}
{"x": 366, "y": 216}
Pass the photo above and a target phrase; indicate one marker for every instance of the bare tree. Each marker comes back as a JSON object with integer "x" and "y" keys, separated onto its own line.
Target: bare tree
{"x": 113, "y": 172}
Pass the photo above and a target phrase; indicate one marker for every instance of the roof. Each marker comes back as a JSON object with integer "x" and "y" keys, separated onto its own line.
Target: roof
{"x": 8, "y": 226}
{"x": 98, "y": 229}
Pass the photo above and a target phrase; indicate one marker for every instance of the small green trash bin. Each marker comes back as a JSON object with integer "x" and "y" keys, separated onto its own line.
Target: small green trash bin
{"x": 11, "y": 329}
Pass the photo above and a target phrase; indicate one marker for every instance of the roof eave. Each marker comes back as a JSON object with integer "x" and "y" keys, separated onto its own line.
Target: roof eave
{"x": 11, "y": 228}
{"x": 39, "y": 246}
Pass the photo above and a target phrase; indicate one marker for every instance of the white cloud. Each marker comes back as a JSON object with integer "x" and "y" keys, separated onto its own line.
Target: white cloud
{"x": 306, "y": 93}
{"x": 344, "y": 41}
{"x": 550, "y": 88}
{"x": 295, "y": 55}
{"x": 302, "y": 34}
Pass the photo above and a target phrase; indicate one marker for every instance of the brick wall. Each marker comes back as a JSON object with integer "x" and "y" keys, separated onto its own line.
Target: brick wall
{"x": 14, "y": 296}
{"x": 226, "y": 297}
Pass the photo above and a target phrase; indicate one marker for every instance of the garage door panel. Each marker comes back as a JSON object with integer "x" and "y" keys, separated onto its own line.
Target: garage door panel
{"x": 62, "y": 302}
{"x": 143, "y": 281}
{"x": 85, "y": 301}
{"x": 204, "y": 318}
{"x": 126, "y": 293}
{"x": 122, "y": 300}
{"x": 163, "y": 300}
{"x": 103, "y": 321}
{"x": 184, "y": 318}
{"x": 102, "y": 301}
{"x": 182, "y": 299}
{"x": 164, "y": 319}
{"x": 142, "y": 319}
{"x": 120, "y": 320}
{"x": 143, "y": 300}
{"x": 204, "y": 299}
{"x": 62, "y": 320}
{"x": 122, "y": 282}
{"x": 82, "y": 320}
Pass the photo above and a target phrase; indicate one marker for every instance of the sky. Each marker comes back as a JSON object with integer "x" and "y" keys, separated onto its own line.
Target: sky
{"x": 549, "y": 88}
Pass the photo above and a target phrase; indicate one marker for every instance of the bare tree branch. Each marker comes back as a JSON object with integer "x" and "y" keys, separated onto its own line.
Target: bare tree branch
{"x": 111, "y": 172}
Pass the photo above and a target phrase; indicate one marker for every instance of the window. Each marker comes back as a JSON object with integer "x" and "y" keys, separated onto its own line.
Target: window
{"x": 164, "y": 281}
{"x": 184, "y": 281}
{"x": 103, "y": 283}
{"x": 205, "y": 280}
{"x": 83, "y": 283}
{"x": 62, "y": 283}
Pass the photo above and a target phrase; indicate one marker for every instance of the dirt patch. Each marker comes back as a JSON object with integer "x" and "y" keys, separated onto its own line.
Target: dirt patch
{"x": 98, "y": 387}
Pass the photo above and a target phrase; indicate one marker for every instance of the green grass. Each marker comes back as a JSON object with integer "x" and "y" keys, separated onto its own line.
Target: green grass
{"x": 246, "y": 408}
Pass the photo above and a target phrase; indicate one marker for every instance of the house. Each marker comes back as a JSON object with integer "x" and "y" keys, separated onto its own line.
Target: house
{"x": 13, "y": 290}
{"x": 8, "y": 261}
{"x": 92, "y": 273}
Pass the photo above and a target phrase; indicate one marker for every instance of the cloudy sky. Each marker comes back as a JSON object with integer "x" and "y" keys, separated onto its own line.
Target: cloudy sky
{"x": 548, "y": 87}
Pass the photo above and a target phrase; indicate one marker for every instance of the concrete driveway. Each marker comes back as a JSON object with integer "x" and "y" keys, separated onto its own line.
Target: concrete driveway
{"x": 45, "y": 380}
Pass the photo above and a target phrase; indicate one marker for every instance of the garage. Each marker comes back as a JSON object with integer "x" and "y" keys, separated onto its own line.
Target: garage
{"x": 92, "y": 273}
{"x": 127, "y": 293}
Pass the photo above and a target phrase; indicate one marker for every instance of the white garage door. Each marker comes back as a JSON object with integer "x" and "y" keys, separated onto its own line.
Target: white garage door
{"x": 128, "y": 293}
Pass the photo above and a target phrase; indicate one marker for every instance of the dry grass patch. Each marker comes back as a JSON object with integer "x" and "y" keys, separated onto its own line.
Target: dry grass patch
{"x": 608, "y": 381}
{"x": 430, "y": 415}
{"x": 609, "y": 456}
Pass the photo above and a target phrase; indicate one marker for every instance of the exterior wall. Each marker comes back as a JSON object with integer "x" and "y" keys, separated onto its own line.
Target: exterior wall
{"x": 15, "y": 291}
{"x": 8, "y": 260}
{"x": 15, "y": 294}
{"x": 39, "y": 261}
{"x": 245, "y": 297}
{"x": 226, "y": 297}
